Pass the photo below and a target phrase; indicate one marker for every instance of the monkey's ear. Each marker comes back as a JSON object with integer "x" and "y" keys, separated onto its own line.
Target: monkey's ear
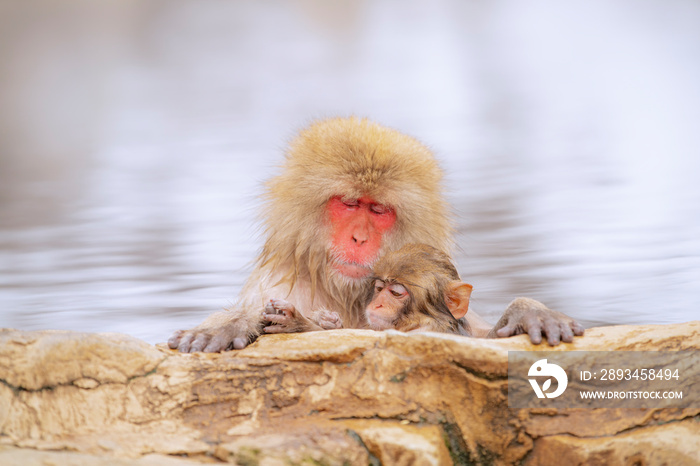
{"x": 457, "y": 298}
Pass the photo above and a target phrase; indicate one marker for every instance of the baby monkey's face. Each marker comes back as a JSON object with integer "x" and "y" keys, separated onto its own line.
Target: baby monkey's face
{"x": 389, "y": 300}
{"x": 416, "y": 288}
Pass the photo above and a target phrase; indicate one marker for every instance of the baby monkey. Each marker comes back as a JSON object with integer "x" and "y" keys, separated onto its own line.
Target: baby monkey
{"x": 416, "y": 288}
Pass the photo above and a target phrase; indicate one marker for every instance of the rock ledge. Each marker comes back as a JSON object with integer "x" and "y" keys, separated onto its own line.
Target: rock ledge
{"x": 334, "y": 397}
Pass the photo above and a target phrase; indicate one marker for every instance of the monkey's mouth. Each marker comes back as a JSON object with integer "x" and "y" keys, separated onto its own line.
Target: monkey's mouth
{"x": 378, "y": 322}
{"x": 351, "y": 269}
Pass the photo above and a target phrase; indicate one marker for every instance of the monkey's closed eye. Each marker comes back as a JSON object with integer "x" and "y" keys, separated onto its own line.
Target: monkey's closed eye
{"x": 351, "y": 203}
{"x": 379, "y": 209}
{"x": 398, "y": 290}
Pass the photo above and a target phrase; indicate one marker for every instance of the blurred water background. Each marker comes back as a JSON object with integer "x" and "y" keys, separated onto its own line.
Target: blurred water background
{"x": 135, "y": 136}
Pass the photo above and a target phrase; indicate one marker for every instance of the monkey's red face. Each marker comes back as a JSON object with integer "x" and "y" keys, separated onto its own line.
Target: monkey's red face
{"x": 387, "y": 302}
{"x": 357, "y": 229}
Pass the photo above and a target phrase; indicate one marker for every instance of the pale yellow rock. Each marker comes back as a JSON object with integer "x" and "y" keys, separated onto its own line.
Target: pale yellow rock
{"x": 334, "y": 397}
{"x": 400, "y": 443}
{"x": 12, "y": 456}
{"x": 676, "y": 444}
{"x": 36, "y": 360}
{"x": 296, "y": 444}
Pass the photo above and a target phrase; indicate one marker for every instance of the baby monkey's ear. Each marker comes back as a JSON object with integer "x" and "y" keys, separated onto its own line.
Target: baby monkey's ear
{"x": 457, "y": 298}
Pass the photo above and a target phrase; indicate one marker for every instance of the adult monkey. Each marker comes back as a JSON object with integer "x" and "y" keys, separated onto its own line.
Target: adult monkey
{"x": 350, "y": 191}
{"x": 416, "y": 289}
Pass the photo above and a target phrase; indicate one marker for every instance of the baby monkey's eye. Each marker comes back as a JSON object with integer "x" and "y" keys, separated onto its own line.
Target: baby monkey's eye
{"x": 398, "y": 290}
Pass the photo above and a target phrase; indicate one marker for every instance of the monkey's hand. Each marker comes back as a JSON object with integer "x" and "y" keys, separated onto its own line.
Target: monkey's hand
{"x": 327, "y": 320}
{"x": 525, "y": 315}
{"x": 220, "y": 331}
{"x": 283, "y": 317}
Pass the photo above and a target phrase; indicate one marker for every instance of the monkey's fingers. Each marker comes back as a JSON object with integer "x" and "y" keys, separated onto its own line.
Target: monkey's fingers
{"x": 507, "y": 331}
{"x": 283, "y": 307}
{"x": 219, "y": 343}
{"x": 276, "y": 318}
{"x": 174, "y": 340}
{"x": 327, "y": 320}
{"x": 328, "y": 324}
{"x": 534, "y": 329}
{"x": 567, "y": 334}
{"x": 553, "y": 331}
{"x": 199, "y": 343}
{"x": 240, "y": 343}
{"x": 184, "y": 343}
{"x": 270, "y": 308}
{"x": 275, "y": 329}
{"x": 577, "y": 328}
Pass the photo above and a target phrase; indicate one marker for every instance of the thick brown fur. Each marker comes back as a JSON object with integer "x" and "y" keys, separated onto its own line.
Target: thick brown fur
{"x": 349, "y": 157}
{"x": 354, "y": 158}
{"x": 428, "y": 274}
